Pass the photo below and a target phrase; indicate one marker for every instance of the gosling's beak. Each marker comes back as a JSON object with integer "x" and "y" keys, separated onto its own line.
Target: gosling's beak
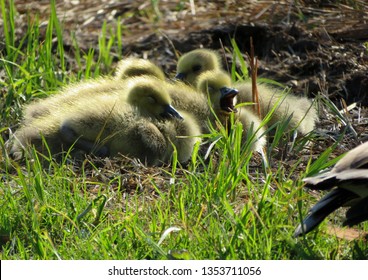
{"x": 170, "y": 112}
{"x": 227, "y": 99}
{"x": 180, "y": 76}
{"x": 228, "y": 92}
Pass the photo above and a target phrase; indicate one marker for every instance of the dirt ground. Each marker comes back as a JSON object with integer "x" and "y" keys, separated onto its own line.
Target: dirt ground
{"x": 316, "y": 47}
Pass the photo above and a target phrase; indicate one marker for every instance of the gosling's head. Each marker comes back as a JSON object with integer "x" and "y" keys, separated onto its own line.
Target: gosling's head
{"x": 193, "y": 63}
{"x": 151, "y": 98}
{"x": 217, "y": 85}
{"x": 134, "y": 67}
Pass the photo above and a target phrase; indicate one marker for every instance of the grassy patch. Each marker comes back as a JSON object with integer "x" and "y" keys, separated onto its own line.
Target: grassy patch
{"x": 226, "y": 204}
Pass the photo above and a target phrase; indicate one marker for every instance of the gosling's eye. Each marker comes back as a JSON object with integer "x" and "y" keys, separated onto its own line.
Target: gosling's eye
{"x": 196, "y": 68}
{"x": 210, "y": 89}
{"x": 151, "y": 99}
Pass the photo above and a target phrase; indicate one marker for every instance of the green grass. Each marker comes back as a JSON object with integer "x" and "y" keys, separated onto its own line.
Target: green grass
{"x": 224, "y": 205}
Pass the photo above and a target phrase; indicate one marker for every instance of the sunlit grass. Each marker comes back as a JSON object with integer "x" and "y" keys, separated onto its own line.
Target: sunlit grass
{"x": 224, "y": 205}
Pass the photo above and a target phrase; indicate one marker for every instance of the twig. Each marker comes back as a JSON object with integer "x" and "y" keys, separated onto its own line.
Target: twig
{"x": 224, "y": 55}
{"x": 253, "y": 63}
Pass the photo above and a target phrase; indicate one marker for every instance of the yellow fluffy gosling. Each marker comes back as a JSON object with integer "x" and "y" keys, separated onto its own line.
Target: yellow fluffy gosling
{"x": 192, "y": 64}
{"x": 184, "y": 98}
{"x": 133, "y": 67}
{"x": 131, "y": 122}
{"x": 217, "y": 85}
{"x": 302, "y": 113}
{"x": 67, "y": 95}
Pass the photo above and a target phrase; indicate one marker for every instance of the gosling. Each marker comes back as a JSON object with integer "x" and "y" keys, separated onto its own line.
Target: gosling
{"x": 130, "y": 122}
{"x": 91, "y": 87}
{"x": 302, "y": 113}
{"x": 348, "y": 180}
{"x": 217, "y": 85}
{"x": 134, "y": 67}
{"x": 192, "y": 64}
